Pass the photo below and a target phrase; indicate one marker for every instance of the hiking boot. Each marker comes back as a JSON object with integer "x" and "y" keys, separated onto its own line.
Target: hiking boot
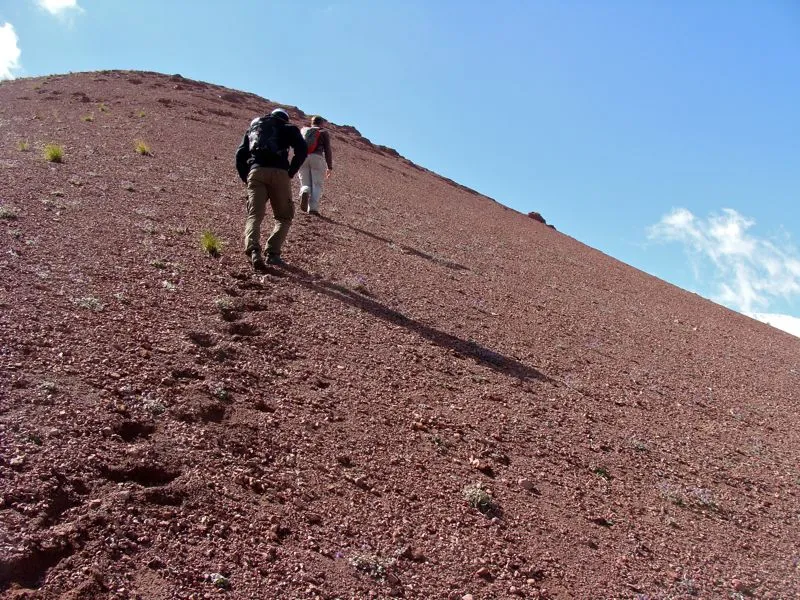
{"x": 304, "y": 201}
{"x": 275, "y": 259}
{"x": 257, "y": 261}
{"x": 315, "y": 213}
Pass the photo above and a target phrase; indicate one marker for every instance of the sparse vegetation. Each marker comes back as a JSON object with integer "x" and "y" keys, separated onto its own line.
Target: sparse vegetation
{"x": 371, "y": 564}
{"x": 23, "y": 146}
{"x": 220, "y": 393}
{"x": 479, "y": 498}
{"x": 49, "y": 387}
{"x": 219, "y": 581}
{"x": 210, "y": 243}
{"x": 704, "y": 497}
{"x": 692, "y": 497}
{"x": 226, "y": 308}
{"x": 158, "y": 264}
{"x": 8, "y": 213}
{"x": 103, "y": 108}
{"x": 87, "y": 118}
{"x": 169, "y": 286}
{"x": 140, "y": 114}
{"x": 441, "y": 444}
{"x": 602, "y": 472}
{"x": 89, "y": 303}
{"x": 223, "y": 304}
{"x": 143, "y": 148}
{"x": 671, "y": 492}
{"x": 54, "y": 153}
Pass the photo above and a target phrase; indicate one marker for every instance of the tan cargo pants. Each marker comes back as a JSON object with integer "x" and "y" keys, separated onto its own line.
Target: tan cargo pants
{"x": 264, "y": 184}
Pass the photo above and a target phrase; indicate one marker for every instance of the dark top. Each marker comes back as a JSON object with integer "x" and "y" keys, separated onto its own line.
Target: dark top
{"x": 289, "y": 137}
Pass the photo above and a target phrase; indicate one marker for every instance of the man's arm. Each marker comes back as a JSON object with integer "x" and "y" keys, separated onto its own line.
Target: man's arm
{"x": 300, "y": 152}
{"x": 326, "y": 147}
{"x": 242, "y": 156}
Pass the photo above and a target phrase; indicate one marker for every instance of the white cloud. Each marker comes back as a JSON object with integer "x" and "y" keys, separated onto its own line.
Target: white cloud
{"x": 787, "y": 323}
{"x": 59, "y": 7}
{"x": 9, "y": 51}
{"x": 749, "y": 272}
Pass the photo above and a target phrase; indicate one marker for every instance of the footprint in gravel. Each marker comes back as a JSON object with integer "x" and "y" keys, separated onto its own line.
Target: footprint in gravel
{"x": 200, "y": 410}
{"x": 202, "y": 339}
{"x": 130, "y": 431}
{"x": 165, "y": 496}
{"x": 28, "y": 568}
{"x": 146, "y": 474}
{"x": 243, "y": 329}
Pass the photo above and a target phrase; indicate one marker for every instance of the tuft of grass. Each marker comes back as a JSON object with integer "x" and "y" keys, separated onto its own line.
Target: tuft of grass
{"x": 140, "y": 114}
{"x": 210, "y": 243}
{"x": 371, "y": 564}
{"x": 153, "y": 405}
{"x": 103, "y": 108}
{"x": 143, "y": 148}
{"x": 704, "y": 497}
{"x": 479, "y": 498}
{"x": 602, "y": 472}
{"x": 89, "y": 303}
{"x": 159, "y": 264}
{"x": 8, "y": 213}
{"x": 671, "y": 493}
{"x": 23, "y": 146}
{"x": 49, "y": 387}
{"x": 87, "y": 118}
{"x": 54, "y": 153}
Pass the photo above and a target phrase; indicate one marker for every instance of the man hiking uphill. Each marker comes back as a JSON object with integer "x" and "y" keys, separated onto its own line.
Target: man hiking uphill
{"x": 317, "y": 167}
{"x": 262, "y": 161}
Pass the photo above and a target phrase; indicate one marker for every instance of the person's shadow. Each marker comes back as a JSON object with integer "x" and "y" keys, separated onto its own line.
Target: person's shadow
{"x": 480, "y": 354}
{"x": 406, "y": 249}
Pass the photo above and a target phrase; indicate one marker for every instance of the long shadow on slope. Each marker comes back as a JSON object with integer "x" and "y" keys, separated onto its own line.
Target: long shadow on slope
{"x": 494, "y": 360}
{"x": 407, "y": 249}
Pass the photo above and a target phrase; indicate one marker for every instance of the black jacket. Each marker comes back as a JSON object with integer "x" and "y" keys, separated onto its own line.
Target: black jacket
{"x": 289, "y": 137}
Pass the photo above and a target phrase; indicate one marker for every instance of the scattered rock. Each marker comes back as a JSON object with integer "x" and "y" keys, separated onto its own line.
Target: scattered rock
{"x": 537, "y": 217}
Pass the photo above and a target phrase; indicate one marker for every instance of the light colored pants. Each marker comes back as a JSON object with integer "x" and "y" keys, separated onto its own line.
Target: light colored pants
{"x": 262, "y": 184}
{"x": 312, "y": 179}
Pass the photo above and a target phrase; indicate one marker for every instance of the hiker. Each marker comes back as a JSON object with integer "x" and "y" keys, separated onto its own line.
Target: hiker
{"x": 317, "y": 167}
{"x": 262, "y": 161}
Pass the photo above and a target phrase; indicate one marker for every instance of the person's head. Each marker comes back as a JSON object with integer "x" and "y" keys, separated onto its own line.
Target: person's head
{"x": 317, "y": 121}
{"x": 280, "y": 114}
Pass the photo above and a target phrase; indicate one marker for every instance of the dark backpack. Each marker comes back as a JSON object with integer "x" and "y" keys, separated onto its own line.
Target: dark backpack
{"x": 264, "y": 137}
{"x": 312, "y": 136}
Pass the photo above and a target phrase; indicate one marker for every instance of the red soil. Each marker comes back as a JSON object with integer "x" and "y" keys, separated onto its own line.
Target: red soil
{"x": 309, "y": 432}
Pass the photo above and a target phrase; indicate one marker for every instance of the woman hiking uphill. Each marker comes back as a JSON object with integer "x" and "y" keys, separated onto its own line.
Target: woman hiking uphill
{"x": 318, "y": 165}
{"x": 262, "y": 161}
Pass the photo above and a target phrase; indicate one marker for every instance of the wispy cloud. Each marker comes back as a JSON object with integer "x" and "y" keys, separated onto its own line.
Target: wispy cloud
{"x": 59, "y": 7}
{"x": 748, "y": 272}
{"x": 9, "y": 51}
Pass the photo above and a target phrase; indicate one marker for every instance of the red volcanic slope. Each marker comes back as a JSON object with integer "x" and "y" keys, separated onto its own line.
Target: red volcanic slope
{"x": 173, "y": 425}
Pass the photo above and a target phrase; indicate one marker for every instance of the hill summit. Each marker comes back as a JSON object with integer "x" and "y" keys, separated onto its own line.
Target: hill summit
{"x": 440, "y": 397}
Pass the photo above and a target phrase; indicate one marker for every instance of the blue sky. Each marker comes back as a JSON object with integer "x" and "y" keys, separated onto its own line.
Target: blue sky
{"x": 666, "y": 134}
